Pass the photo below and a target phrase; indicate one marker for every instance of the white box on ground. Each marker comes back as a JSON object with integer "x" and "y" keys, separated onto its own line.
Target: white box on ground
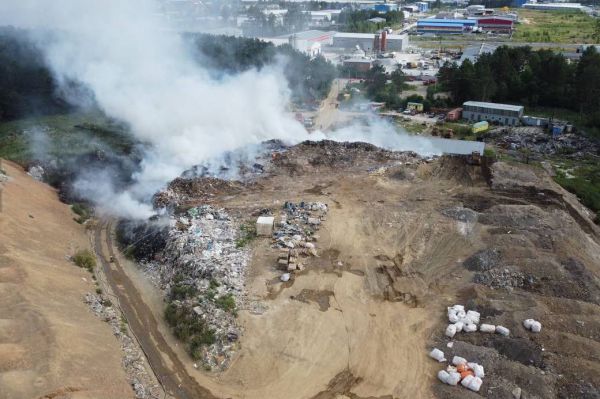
{"x": 264, "y": 225}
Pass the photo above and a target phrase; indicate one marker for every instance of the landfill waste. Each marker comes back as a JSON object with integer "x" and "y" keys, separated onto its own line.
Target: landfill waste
{"x": 461, "y": 320}
{"x": 295, "y": 234}
{"x": 487, "y": 328}
{"x": 532, "y": 325}
{"x": 469, "y": 374}
{"x": 201, "y": 255}
{"x": 539, "y": 143}
{"x": 133, "y": 359}
{"x": 37, "y": 172}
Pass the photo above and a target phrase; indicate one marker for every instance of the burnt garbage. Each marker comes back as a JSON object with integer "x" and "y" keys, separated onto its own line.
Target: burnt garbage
{"x": 142, "y": 240}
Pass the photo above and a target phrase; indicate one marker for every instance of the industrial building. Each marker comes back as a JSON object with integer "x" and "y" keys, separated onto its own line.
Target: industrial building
{"x": 423, "y": 6}
{"x": 386, "y": 7}
{"x": 496, "y": 24}
{"x": 368, "y": 42}
{"x": 445, "y": 26}
{"x": 359, "y": 64}
{"x": 504, "y": 114}
{"x": 557, "y": 7}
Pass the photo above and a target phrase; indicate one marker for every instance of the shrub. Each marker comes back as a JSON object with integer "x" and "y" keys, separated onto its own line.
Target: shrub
{"x": 226, "y": 302}
{"x": 489, "y": 153}
{"x": 86, "y": 259}
{"x": 82, "y": 211}
{"x": 247, "y": 234}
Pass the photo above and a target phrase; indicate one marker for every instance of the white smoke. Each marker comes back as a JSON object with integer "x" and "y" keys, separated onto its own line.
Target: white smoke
{"x": 140, "y": 72}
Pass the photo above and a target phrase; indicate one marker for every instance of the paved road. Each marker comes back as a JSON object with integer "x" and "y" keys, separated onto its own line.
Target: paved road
{"x": 172, "y": 374}
{"x": 463, "y": 43}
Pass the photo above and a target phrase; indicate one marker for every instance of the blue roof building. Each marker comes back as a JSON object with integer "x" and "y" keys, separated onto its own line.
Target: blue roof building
{"x": 445, "y": 26}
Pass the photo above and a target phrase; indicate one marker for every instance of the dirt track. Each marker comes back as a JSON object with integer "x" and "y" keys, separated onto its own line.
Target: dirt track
{"x": 167, "y": 367}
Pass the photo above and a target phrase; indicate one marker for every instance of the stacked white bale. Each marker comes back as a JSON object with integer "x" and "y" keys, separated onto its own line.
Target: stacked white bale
{"x": 477, "y": 369}
{"x": 453, "y": 378}
{"x": 443, "y": 376}
{"x": 473, "y": 316}
{"x": 470, "y": 327}
{"x": 487, "y": 328}
{"x": 457, "y": 360}
{"x": 450, "y": 330}
{"x": 437, "y": 355}
{"x": 533, "y": 325}
{"x": 474, "y": 384}
{"x": 459, "y": 326}
{"x": 466, "y": 381}
{"x": 502, "y": 331}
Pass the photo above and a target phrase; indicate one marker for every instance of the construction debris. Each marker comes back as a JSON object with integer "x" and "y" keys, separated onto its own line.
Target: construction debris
{"x": 133, "y": 359}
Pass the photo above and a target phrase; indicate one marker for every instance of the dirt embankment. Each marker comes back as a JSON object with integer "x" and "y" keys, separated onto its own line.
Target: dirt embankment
{"x": 51, "y": 344}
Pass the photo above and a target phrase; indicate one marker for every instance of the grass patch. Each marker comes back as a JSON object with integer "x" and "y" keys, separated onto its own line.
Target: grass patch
{"x": 226, "y": 302}
{"x": 82, "y": 211}
{"x": 85, "y": 259}
{"x": 583, "y": 180}
{"x": 61, "y": 136}
{"x": 247, "y": 234}
{"x": 554, "y": 27}
{"x": 189, "y": 328}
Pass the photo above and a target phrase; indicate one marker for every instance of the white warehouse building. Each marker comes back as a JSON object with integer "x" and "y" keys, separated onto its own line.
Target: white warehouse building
{"x": 504, "y": 114}
{"x": 366, "y": 41}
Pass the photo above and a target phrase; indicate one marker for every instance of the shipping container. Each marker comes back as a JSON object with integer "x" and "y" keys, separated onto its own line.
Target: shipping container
{"x": 480, "y": 127}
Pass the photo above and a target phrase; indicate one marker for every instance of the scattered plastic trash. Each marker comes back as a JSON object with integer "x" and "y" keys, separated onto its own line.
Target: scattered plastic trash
{"x": 437, "y": 355}
{"x": 532, "y": 325}
{"x": 502, "y": 331}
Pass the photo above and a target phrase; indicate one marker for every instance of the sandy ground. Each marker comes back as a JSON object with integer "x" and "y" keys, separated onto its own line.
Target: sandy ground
{"x": 361, "y": 319}
{"x": 51, "y": 345}
{"x": 357, "y": 322}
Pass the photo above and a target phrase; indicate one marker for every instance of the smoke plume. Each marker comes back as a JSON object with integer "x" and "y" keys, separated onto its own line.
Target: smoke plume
{"x": 139, "y": 71}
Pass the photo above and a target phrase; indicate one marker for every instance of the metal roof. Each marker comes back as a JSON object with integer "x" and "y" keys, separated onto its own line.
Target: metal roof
{"x": 349, "y": 35}
{"x": 440, "y": 24}
{"x": 447, "y": 20}
{"x": 505, "y": 107}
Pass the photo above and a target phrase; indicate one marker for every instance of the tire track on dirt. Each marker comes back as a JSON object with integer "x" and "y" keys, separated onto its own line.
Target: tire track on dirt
{"x": 167, "y": 367}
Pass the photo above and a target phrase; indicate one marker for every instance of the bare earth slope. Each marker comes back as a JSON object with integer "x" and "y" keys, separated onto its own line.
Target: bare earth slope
{"x": 51, "y": 345}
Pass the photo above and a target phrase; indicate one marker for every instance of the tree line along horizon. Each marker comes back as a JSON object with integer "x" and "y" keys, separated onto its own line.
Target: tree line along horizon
{"x": 518, "y": 75}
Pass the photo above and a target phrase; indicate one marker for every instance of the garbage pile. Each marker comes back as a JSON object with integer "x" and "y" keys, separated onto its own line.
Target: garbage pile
{"x": 541, "y": 143}
{"x": 133, "y": 359}
{"x": 296, "y": 235}
{"x": 197, "y": 189}
{"x": 201, "y": 256}
{"x": 469, "y": 374}
{"x": 468, "y": 322}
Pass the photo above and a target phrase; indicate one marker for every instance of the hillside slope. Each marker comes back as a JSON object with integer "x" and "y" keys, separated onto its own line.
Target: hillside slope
{"x": 51, "y": 344}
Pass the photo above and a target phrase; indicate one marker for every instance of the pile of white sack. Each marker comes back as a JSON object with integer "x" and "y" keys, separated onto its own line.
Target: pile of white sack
{"x": 468, "y": 322}
{"x": 469, "y": 374}
{"x": 532, "y": 325}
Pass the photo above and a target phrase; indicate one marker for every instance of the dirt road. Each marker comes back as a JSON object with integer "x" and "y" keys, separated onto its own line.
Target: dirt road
{"x": 166, "y": 365}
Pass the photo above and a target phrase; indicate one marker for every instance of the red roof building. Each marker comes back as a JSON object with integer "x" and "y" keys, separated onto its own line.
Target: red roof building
{"x": 496, "y": 24}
